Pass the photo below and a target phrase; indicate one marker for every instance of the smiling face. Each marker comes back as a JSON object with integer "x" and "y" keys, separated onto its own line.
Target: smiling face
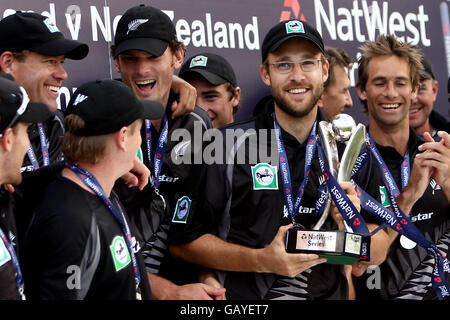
{"x": 216, "y": 100}
{"x": 41, "y": 76}
{"x": 296, "y": 92}
{"x": 388, "y": 91}
{"x": 336, "y": 96}
{"x": 423, "y": 105}
{"x": 148, "y": 76}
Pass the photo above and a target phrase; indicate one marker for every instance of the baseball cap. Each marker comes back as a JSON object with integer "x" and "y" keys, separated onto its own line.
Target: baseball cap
{"x": 108, "y": 105}
{"x": 15, "y": 106}
{"x": 289, "y": 29}
{"x": 37, "y": 33}
{"x": 144, "y": 28}
{"x": 214, "y": 68}
{"x": 427, "y": 72}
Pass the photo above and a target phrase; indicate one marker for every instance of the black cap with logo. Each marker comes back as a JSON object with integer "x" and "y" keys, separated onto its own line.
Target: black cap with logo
{"x": 108, "y": 105}
{"x": 214, "y": 68}
{"x": 144, "y": 28}
{"x": 37, "y": 33}
{"x": 15, "y": 105}
{"x": 289, "y": 29}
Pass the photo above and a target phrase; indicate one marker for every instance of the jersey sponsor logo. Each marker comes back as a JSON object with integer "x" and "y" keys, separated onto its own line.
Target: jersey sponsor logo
{"x": 264, "y": 177}
{"x": 294, "y": 26}
{"x": 4, "y": 253}
{"x": 119, "y": 253}
{"x": 182, "y": 210}
{"x": 198, "y": 61}
{"x": 384, "y": 197}
{"x": 422, "y": 216}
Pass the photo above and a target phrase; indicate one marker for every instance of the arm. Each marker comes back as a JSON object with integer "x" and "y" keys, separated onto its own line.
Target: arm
{"x": 188, "y": 97}
{"x": 163, "y": 289}
{"x": 209, "y": 251}
{"x": 138, "y": 175}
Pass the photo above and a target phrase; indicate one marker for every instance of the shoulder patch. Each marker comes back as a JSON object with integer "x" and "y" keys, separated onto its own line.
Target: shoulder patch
{"x": 182, "y": 209}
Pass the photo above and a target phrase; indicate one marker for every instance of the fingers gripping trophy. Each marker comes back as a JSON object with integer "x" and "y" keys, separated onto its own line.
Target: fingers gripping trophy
{"x": 339, "y": 247}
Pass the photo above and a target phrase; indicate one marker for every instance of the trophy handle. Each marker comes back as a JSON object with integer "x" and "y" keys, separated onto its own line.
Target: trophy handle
{"x": 330, "y": 149}
{"x": 345, "y": 167}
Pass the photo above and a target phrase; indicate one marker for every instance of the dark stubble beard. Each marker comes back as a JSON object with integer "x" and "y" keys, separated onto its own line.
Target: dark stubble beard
{"x": 287, "y": 107}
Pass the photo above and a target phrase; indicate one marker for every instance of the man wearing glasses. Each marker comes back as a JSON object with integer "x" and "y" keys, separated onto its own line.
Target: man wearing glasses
{"x": 245, "y": 217}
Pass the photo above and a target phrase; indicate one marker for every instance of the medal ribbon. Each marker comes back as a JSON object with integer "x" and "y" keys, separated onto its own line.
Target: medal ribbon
{"x": 156, "y": 164}
{"x": 91, "y": 182}
{"x": 292, "y": 206}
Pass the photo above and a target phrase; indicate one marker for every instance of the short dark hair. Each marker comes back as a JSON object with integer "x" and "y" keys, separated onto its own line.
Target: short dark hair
{"x": 336, "y": 57}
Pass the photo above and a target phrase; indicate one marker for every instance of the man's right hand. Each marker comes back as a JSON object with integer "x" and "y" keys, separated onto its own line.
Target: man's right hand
{"x": 275, "y": 259}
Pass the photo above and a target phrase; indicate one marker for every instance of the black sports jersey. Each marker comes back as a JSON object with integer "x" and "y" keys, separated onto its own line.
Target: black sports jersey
{"x": 177, "y": 181}
{"x": 8, "y": 288}
{"x": 439, "y": 123}
{"x": 54, "y": 130}
{"x": 241, "y": 211}
{"x": 75, "y": 249}
{"x": 406, "y": 274}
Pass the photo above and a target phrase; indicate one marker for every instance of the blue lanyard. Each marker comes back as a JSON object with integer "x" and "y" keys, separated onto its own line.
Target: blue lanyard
{"x": 15, "y": 261}
{"x": 351, "y": 215}
{"x": 90, "y": 181}
{"x": 401, "y": 223}
{"x": 44, "y": 148}
{"x": 156, "y": 164}
{"x": 392, "y": 188}
{"x": 285, "y": 172}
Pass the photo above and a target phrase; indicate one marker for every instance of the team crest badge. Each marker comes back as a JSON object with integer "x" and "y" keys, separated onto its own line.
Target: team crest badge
{"x": 294, "y": 26}
{"x": 384, "y": 197}
{"x": 182, "y": 210}
{"x": 264, "y": 177}
{"x": 198, "y": 61}
{"x": 119, "y": 252}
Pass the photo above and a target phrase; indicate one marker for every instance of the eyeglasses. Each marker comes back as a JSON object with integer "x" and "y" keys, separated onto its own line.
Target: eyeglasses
{"x": 287, "y": 66}
{"x": 20, "y": 110}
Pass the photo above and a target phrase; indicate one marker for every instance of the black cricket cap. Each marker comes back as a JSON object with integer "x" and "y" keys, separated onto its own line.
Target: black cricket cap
{"x": 427, "y": 72}
{"x": 108, "y": 105}
{"x": 37, "y": 33}
{"x": 214, "y": 68}
{"x": 144, "y": 28}
{"x": 289, "y": 29}
{"x": 15, "y": 106}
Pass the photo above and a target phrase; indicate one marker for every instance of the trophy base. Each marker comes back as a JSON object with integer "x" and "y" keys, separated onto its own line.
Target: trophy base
{"x": 339, "y": 247}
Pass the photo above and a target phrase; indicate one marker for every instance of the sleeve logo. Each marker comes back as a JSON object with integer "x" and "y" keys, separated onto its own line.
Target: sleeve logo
{"x": 4, "y": 253}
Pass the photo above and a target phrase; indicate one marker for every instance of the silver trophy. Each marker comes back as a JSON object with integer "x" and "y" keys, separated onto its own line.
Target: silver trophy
{"x": 340, "y": 247}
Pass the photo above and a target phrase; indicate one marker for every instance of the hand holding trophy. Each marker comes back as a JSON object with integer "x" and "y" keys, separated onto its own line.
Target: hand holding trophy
{"x": 339, "y": 247}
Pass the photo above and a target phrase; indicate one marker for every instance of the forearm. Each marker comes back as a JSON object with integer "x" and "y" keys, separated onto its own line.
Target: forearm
{"x": 214, "y": 253}
{"x": 162, "y": 289}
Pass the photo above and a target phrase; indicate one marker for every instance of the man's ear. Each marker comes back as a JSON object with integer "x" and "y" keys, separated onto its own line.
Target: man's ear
{"x": 116, "y": 64}
{"x": 325, "y": 69}
{"x": 6, "y": 141}
{"x": 120, "y": 138}
{"x": 178, "y": 58}
{"x": 265, "y": 76}
{"x": 361, "y": 92}
{"x": 7, "y": 62}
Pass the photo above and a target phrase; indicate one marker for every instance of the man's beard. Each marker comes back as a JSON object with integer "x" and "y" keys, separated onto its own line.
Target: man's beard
{"x": 289, "y": 109}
